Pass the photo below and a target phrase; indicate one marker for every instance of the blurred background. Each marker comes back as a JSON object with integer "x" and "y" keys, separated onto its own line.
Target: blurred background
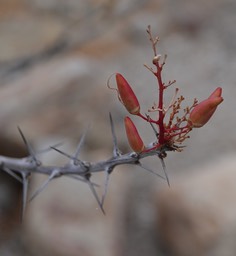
{"x": 55, "y": 59}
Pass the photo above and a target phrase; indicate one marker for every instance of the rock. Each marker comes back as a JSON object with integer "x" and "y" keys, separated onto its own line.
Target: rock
{"x": 31, "y": 34}
{"x": 197, "y": 215}
{"x": 57, "y": 97}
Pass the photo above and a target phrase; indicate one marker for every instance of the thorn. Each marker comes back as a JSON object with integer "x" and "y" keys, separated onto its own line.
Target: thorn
{"x": 116, "y": 151}
{"x": 151, "y": 171}
{"x": 154, "y": 129}
{"x": 164, "y": 169}
{"x": 67, "y": 155}
{"x": 95, "y": 194}
{"x": 49, "y": 148}
{"x": 76, "y": 177}
{"x": 12, "y": 173}
{"x": 44, "y": 185}
{"x": 29, "y": 147}
{"x": 25, "y": 179}
{"x": 76, "y": 161}
{"x": 62, "y": 153}
{"x": 107, "y": 176}
{"x": 81, "y": 142}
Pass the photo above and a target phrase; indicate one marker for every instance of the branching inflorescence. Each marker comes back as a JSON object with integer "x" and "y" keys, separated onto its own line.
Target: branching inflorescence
{"x": 171, "y": 126}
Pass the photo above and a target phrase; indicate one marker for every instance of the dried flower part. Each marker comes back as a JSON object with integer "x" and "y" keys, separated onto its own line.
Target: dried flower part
{"x": 133, "y": 136}
{"x": 201, "y": 114}
{"x": 127, "y": 95}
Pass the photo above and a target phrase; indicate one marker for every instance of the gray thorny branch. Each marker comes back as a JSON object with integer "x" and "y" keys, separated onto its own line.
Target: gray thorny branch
{"x": 22, "y": 168}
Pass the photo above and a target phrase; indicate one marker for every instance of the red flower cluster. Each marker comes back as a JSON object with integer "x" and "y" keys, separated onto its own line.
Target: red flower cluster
{"x": 176, "y": 130}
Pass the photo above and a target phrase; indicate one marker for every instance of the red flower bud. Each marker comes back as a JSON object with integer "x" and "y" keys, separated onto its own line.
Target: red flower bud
{"x": 134, "y": 139}
{"x": 127, "y": 95}
{"x": 201, "y": 114}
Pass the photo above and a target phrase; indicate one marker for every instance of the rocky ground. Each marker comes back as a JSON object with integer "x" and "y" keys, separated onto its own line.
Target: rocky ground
{"x": 55, "y": 59}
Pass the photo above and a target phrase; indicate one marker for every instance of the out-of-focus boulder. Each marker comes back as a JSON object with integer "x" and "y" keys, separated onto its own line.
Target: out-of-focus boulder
{"x": 197, "y": 215}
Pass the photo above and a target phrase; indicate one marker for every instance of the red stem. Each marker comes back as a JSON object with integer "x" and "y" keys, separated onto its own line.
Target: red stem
{"x": 181, "y": 132}
{"x": 148, "y": 119}
{"x": 161, "y": 138}
{"x": 175, "y": 128}
{"x": 152, "y": 148}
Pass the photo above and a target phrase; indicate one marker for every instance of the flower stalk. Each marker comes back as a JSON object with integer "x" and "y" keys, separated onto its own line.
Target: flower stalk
{"x": 174, "y": 131}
